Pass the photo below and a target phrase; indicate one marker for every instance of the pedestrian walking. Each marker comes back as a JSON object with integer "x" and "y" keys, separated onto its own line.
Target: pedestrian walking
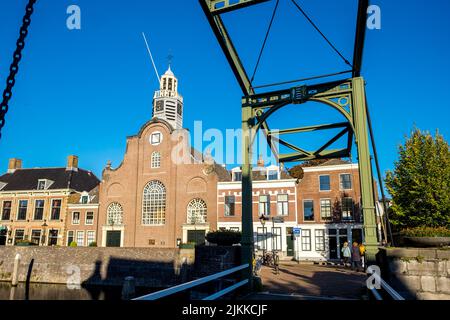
{"x": 346, "y": 253}
{"x": 356, "y": 256}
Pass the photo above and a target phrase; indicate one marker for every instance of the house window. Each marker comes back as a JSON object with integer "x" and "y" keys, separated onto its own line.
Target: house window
{"x": 156, "y": 138}
{"x": 156, "y": 160}
{"x": 41, "y": 184}
{"x": 325, "y": 209}
{"x": 196, "y": 211}
{"x": 39, "y": 210}
{"x": 308, "y": 210}
{"x": 75, "y": 218}
{"x": 89, "y": 218}
{"x": 347, "y": 208}
{"x": 56, "y": 209}
{"x": 320, "y": 239}
{"x": 19, "y": 235}
{"x": 53, "y": 237}
{"x": 237, "y": 176}
{"x": 272, "y": 175}
{"x": 70, "y": 237}
{"x": 306, "y": 240}
{"x": 283, "y": 205}
{"x": 325, "y": 184}
{"x": 114, "y": 214}
{"x": 264, "y": 205}
{"x": 22, "y": 212}
{"x": 261, "y": 238}
{"x": 154, "y": 204}
{"x": 6, "y": 210}
{"x": 346, "y": 181}
{"x": 90, "y": 237}
{"x": 36, "y": 236}
{"x": 229, "y": 206}
{"x": 80, "y": 238}
{"x": 276, "y": 238}
{"x": 84, "y": 199}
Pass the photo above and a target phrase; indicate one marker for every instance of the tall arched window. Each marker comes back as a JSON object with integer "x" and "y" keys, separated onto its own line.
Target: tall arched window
{"x": 156, "y": 160}
{"x": 154, "y": 204}
{"x": 115, "y": 214}
{"x": 196, "y": 211}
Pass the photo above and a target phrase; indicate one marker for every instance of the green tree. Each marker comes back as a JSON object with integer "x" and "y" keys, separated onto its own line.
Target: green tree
{"x": 420, "y": 182}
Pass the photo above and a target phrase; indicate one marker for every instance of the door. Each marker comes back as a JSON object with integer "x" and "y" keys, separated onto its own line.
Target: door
{"x": 289, "y": 242}
{"x": 196, "y": 236}
{"x": 113, "y": 238}
{"x": 357, "y": 235}
{"x": 3, "y": 237}
{"x": 332, "y": 244}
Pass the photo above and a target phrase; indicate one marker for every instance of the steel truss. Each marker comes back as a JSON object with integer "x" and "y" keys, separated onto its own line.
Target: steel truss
{"x": 347, "y": 96}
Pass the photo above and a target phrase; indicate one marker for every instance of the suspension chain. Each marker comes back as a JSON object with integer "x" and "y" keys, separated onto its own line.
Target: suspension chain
{"x": 14, "y": 68}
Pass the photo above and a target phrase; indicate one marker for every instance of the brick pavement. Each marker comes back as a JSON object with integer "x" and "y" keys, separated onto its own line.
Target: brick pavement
{"x": 310, "y": 282}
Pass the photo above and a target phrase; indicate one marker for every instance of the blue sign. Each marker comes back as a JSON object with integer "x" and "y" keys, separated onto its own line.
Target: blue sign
{"x": 297, "y": 231}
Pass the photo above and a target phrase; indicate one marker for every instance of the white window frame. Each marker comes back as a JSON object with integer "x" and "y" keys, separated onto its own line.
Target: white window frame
{"x": 156, "y": 160}
{"x": 51, "y": 209}
{"x": 283, "y": 206}
{"x": 347, "y": 217}
{"x": 314, "y": 214}
{"x": 73, "y": 237}
{"x": 320, "y": 185}
{"x": 18, "y": 209}
{"x": 87, "y": 237}
{"x": 331, "y": 209}
{"x": 319, "y": 246}
{"x": 86, "y": 221}
{"x": 264, "y": 207}
{"x": 35, "y": 207}
{"x": 154, "y": 134}
{"x": 77, "y": 238}
{"x": 306, "y": 244}
{"x": 227, "y": 207}
{"x": 40, "y": 235}
{"x": 151, "y": 205}
{"x": 341, "y": 186}
{"x": 76, "y": 222}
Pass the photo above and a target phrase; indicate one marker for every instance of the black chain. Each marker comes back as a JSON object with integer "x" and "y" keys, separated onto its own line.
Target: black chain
{"x": 11, "y": 80}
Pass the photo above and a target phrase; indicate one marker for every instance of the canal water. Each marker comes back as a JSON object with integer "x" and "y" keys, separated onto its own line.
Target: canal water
{"x": 62, "y": 292}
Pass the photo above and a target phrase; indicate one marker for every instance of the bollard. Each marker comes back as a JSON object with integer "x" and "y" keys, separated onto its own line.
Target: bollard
{"x": 15, "y": 275}
{"x": 129, "y": 288}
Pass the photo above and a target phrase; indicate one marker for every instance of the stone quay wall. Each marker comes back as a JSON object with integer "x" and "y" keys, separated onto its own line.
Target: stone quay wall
{"x": 151, "y": 267}
{"x": 415, "y": 273}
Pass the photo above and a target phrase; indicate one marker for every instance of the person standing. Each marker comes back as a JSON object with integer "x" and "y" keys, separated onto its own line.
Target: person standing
{"x": 362, "y": 251}
{"x": 346, "y": 253}
{"x": 356, "y": 257}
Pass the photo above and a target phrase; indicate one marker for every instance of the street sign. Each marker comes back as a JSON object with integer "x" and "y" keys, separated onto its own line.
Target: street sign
{"x": 278, "y": 219}
{"x": 297, "y": 232}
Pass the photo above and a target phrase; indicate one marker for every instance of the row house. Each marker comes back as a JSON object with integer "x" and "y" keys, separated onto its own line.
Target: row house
{"x": 34, "y": 203}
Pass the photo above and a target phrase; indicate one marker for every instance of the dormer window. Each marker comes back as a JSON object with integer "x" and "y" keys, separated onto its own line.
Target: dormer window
{"x": 44, "y": 184}
{"x": 84, "y": 199}
{"x": 2, "y": 185}
{"x": 272, "y": 175}
{"x": 237, "y": 176}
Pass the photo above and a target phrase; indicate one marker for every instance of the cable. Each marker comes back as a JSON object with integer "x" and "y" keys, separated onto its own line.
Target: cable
{"x": 321, "y": 33}
{"x": 265, "y": 40}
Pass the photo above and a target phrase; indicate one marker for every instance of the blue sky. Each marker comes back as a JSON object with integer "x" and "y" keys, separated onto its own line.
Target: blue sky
{"x": 83, "y": 92}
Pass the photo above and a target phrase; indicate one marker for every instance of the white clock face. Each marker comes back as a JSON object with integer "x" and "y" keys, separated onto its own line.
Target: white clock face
{"x": 155, "y": 138}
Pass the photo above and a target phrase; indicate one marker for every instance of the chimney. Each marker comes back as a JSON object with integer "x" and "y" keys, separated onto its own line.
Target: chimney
{"x": 72, "y": 163}
{"x": 260, "y": 161}
{"x": 14, "y": 164}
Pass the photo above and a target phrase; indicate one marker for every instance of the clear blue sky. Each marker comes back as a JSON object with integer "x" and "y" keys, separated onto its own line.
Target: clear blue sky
{"x": 82, "y": 92}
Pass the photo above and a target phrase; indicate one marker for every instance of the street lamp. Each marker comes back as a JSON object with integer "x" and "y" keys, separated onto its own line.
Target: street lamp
{"x": 44, "y": 225}
{"x": 263, "y": 218}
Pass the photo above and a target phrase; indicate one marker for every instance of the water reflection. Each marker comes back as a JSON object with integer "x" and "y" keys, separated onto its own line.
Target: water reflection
{"x": 61, "y": 292}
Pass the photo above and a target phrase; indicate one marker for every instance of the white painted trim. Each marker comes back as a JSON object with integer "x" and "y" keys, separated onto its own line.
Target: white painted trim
{"x": 352, "y": 166}
{"x": 237, "y": 185}
{"x": 113, "y": 228}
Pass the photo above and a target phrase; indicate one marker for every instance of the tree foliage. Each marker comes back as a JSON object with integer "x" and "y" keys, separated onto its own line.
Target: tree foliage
{"x": 420, "y": 182}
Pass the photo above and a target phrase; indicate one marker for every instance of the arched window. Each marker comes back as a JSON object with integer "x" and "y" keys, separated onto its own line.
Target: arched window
{"x": 154, "y": 204}
{"x": 156, "y": 160}
{"x": 115, "y": 214}
{"x": 196, "y": 211}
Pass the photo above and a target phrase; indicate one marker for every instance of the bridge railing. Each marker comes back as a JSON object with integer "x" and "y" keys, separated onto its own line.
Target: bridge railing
{"x": 385, "y": 290}
{"x": 191, "y": 284}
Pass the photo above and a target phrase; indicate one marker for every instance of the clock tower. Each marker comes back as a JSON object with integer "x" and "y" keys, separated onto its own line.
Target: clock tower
{"x": 167, "y": 102}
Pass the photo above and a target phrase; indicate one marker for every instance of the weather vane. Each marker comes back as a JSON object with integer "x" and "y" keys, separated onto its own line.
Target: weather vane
{"x": 170, "y": 59}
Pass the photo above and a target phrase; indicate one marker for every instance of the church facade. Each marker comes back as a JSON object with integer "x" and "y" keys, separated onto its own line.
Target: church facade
{"x": 164, "y": 192}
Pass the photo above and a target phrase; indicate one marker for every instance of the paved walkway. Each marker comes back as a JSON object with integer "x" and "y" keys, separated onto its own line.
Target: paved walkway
{"x": 310, "y": 282}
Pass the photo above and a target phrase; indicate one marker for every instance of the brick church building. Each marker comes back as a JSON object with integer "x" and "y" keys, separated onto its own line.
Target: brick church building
{"x": 164, "y": 192}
